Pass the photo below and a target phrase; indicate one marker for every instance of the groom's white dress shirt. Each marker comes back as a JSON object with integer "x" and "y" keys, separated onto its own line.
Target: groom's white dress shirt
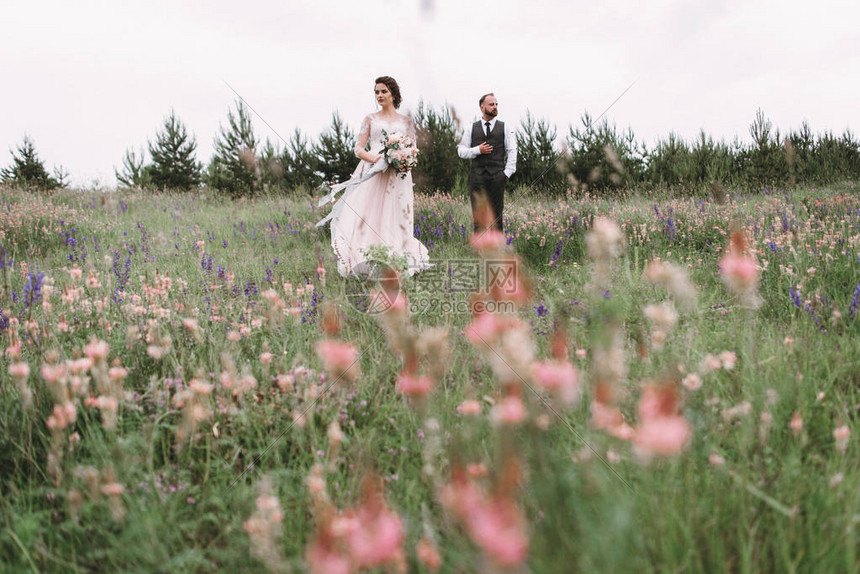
{"x": 466, "y": 151}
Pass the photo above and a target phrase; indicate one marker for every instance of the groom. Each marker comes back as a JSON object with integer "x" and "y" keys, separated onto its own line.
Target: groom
{"x": 493, "y": 150}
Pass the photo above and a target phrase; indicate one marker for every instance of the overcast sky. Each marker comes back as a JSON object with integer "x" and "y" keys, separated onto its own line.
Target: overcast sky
{"x": 89, "y": 79}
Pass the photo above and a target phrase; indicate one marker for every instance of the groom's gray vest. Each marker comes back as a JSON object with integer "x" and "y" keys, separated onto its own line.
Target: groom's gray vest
{"x": 494, "y": 162}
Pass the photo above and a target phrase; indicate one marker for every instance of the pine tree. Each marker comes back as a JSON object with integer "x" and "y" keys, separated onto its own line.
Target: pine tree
{"x": 335, "y": 152}
{"x": 300, "y": 163}
{"x": 28, "y": 170}
{"x": 601, "y": 157}
{"x": 537, "y": 156}
{"x": 439, "y": 167}
{"x": 135, "y": 172}
{"x": 173, "y": 163}
{"x": 271, "y": 168}
{"x": 234, "y": 168}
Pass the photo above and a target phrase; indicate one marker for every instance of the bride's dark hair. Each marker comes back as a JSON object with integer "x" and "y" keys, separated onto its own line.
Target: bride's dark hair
{"x": 392, "y": 86}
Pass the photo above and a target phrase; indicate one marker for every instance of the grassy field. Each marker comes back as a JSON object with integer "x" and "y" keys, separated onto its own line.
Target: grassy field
{"x": 644, "y": 399}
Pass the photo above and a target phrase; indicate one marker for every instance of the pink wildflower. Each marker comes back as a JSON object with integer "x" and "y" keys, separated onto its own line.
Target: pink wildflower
{"x": 499, "y": 529}
{"x": 414, "y": 385}
{"x": 53, "y": 373}
{"x": 285, "y": 381}
{"x": 605, "y": 240}
{"x": 324, "y": 557}
{"x": 559, "y": 377}
{"x": 427, "y": 554}
{"x": 664, "y": 436}
{"x": 117, "y": 374}
{"x": 339, "y": 358}
{"x": 605, "y": 417}
{"x": 662, "y": 430}
{"x": 476, "y": 469}
{"x": 487, "y": 240}
{"x": 692, "y": 382}
{"x": 740, "y": 272}
{"x": 378, "y": 539}
{"x": 841, "y": 435}
{"x": 510, "y": 410}
{"x": 739, "y": 269}
{"x": 93, "y": 280}
{"x": 728, "y": 360}
{"x": 469, "y": 407}
{"x": 796, "y": 424}
{"x": 19, "y": 370}
{"x": 485, "y": 328}
{"x": 96, "y": 350}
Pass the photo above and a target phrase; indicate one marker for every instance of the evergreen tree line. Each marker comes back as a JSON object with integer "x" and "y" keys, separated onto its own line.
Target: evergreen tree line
{"x": 592, "y": 156}
{"x": 27, "y": 170}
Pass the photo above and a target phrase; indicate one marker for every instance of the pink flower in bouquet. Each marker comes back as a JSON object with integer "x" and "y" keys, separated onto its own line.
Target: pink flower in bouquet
{"x": 400, "y": 152}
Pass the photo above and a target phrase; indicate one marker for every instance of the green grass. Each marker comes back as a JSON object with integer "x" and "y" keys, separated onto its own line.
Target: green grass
{"x": 773, "y": 506}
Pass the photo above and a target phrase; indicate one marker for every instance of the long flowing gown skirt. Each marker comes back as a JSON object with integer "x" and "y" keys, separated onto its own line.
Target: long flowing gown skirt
{"x": 376, "y": 212}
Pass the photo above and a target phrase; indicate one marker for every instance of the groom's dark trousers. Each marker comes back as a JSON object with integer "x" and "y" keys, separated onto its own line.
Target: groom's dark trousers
{"x": 487, "y": 174}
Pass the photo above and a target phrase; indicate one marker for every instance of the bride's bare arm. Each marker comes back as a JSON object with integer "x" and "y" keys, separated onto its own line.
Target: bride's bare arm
{"x": 361, "y": 142}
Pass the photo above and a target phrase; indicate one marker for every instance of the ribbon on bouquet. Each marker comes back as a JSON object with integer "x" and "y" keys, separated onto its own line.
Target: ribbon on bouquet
{"x": 348, "y": 187}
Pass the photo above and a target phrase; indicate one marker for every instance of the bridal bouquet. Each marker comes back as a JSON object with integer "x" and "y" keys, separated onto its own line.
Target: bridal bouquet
{"x": 400, "y": 152}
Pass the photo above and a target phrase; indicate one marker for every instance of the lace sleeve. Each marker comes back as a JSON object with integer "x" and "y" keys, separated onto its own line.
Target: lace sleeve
{"x": 363, "y": 136}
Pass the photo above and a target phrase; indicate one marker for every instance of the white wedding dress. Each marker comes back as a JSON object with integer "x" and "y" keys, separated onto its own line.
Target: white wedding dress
{"x": 376, "y": 207}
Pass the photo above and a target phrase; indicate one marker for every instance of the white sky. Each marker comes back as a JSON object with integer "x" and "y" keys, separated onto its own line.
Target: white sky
{"x": 89, "y": 79}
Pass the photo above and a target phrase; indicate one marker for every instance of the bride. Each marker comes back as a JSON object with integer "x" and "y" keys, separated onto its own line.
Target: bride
{"x": 375, "y": 210}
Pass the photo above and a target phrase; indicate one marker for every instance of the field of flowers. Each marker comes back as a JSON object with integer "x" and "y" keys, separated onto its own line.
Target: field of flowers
{"x": 614, "y": 385}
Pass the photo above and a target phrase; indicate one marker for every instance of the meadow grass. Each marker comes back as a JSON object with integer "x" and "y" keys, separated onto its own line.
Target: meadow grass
{"x": 761, "y": 485}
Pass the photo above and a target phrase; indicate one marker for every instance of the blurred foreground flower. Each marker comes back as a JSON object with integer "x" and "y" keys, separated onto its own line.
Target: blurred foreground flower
{"x": 264, "y": 528}
{"x": 340, "y": 359}
{"x": 662, "y": 430}
{"x": 740, "y": 271}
